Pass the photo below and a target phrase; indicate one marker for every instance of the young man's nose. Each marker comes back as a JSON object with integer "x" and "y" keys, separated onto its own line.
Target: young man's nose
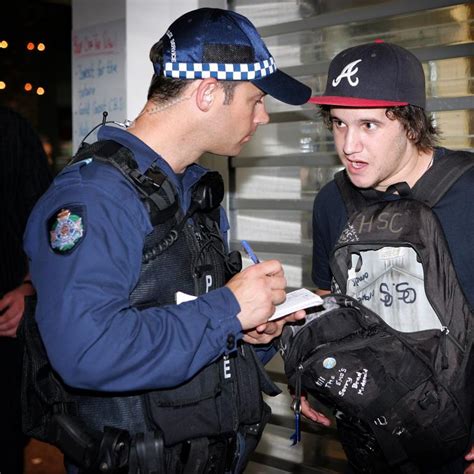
{"x": 352, "y": 143}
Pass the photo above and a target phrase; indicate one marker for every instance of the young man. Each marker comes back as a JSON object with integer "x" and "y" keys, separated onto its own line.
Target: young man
{"x": 374, "y": 103}
{"x": 133, "y": 221}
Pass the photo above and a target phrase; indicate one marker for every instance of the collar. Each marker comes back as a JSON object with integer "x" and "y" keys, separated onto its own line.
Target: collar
{"x": 142, "y": 153}
{"x": 146, "y": 156}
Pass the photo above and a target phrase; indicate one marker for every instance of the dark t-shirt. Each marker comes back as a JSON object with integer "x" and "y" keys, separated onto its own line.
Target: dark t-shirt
{"x": 455, "y": 212}
{"x": 24, "y": 177}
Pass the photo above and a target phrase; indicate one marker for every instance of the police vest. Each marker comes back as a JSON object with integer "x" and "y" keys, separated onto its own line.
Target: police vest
{"x": 186, "y": 254}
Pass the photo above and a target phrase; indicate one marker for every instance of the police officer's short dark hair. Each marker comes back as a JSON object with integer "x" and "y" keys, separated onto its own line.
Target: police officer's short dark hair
{"x": 164, "y": 88}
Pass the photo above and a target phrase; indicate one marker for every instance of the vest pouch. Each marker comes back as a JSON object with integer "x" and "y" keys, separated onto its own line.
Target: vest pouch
{"x": 251, "y": 380}
{"x": 191, "y": 410}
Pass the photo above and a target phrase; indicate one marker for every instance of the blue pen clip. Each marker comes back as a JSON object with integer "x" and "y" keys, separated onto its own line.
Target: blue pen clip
{"x": 250, "y": 252}
{"x": 296, "y": 407}
{"x": 296, "y": 436}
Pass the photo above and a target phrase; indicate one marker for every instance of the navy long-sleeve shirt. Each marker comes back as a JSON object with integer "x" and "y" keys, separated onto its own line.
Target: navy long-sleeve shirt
{"x": 94, "y": 338}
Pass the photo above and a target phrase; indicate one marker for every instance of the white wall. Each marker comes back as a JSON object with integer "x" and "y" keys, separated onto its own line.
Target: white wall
{"x": 91, "y": 12}
{"x": 147, "y": 21}
{"x": 144, "y": 22}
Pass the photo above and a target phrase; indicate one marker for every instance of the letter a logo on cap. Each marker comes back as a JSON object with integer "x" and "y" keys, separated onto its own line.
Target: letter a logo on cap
{"x": 348, "y": 72}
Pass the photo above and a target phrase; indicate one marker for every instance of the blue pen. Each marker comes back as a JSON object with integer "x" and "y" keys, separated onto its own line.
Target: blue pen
{"x": 250, "y": 252}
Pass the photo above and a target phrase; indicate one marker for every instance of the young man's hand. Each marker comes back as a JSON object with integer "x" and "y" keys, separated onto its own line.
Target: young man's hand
{"x": 265, "y": 333}
{"x": 309, "y": 412}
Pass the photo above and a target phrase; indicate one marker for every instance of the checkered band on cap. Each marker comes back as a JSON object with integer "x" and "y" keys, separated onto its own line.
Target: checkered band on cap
{"x": 225, "y": 72}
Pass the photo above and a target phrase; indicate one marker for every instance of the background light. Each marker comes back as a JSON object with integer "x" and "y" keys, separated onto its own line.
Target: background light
{"x": 4, "y": 44}
{"x": 28, "y": 87}
{"x": 30, "y": 46}
{"x": 2, "y": 85}
{"x": 41, "y": 47}
{"x": 40, "y": 91}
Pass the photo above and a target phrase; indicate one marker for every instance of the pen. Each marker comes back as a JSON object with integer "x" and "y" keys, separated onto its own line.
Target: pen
{"x": 250, "y": 252}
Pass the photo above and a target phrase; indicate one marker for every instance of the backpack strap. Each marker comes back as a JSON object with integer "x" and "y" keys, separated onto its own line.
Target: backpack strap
{"x": 444, "y": 172}
{"x": 429, "y": 189}
{"x": 394, "y": 452}
{"x": 353, "y": 199}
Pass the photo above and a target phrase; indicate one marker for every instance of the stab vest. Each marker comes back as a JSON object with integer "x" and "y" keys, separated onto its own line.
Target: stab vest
{"x": 189, "y": 255}
{"x": 186, "y": 266}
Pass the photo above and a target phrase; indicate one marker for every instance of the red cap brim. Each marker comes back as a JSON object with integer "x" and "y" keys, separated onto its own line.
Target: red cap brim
{"x": 353, "y": 101}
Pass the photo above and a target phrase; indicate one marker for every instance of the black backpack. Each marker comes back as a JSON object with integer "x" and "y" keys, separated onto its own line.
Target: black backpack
{"x": 392, "y": 351}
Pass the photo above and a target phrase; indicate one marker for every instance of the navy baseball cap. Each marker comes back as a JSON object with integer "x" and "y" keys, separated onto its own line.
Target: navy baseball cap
{"x": 211, "y": 42}
{"x": 374, "y": 75}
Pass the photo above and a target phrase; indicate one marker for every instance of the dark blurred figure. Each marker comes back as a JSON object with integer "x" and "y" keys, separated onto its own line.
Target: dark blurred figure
{"x": 24, "y": 176}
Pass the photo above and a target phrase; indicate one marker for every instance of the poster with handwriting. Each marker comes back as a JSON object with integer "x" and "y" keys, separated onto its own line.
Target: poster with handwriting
{"x": 98, "y": 69}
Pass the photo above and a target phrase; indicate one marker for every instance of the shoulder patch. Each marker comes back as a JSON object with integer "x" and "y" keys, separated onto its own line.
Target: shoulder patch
{"x": 67, "y": 228}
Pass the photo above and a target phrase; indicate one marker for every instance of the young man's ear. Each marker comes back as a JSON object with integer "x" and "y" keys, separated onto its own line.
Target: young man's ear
{"x": 206, "y": 93}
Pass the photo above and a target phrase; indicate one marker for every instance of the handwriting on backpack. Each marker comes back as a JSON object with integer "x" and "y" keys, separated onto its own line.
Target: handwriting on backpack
{"x": 366, "y": 297}
{"x": 404, "y": 293}
{"x": 356, "y": 382}
{"x": 360, "y": 278}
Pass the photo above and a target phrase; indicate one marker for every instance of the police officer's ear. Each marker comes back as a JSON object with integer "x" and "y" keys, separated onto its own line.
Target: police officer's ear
{"x": 205, "y": 94}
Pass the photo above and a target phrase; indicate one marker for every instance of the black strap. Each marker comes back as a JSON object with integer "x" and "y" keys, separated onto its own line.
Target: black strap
{"x": 356, "y": 199}
{"x": 153, "y": 186}
{"x": 113, "y": 450}
{"x": 401, "y": 188}
{"x": 351, "y": 196}
{"x": 430, "y": 188}
{"x": 147, "y": 454}
{"x": 158, "y": 191}
{"x": 444, "y": 172}
{"x": 394, "y": 452}
{"x": 88, "y": 150}
{"x": 198, "y": 456}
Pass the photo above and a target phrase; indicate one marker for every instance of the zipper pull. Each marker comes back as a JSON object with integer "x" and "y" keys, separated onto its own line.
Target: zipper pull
{"x": 443, "y": 349}
{"x": 296, "y": 406}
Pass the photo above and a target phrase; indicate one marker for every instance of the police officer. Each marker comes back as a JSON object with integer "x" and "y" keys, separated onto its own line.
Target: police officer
{"x": 163, "y": 387}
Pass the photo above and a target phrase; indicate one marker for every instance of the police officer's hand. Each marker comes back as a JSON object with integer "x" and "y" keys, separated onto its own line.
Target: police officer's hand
{"x": 264, "y": 333}
{"x": 12, "y": 306}
{"x": 258, "y": 288}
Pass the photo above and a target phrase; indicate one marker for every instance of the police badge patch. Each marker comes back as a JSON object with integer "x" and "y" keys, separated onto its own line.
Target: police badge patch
{"x": 66, "y": 228}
